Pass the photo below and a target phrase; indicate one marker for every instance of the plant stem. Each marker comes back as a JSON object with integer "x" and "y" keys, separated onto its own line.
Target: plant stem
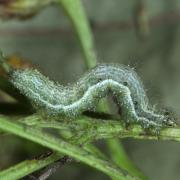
{"x": 119, "y": 156}
{"x": 27, "y": 167}
{"x": 59, "y": 145}
{"x": 103, "y": 129}
{"x": 47, "y": 172}
{"x": 98, "y": 129}
{"x": 96, "y": 126}
{"x": 77, "y": 15}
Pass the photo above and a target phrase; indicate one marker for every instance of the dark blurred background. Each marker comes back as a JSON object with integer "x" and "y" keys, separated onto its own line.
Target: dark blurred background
{"x": 143, "y": 34}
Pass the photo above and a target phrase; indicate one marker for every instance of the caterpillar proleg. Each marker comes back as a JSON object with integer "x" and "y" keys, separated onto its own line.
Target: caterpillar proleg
{"x": 56, "y": 100}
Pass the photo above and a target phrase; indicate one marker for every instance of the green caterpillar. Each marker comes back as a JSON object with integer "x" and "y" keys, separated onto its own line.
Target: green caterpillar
{"x": 119, "y": 81}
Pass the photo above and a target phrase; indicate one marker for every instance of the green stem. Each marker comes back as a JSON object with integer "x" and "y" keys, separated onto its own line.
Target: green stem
{"x": 61, "y": 146}
{"x": 98, "y": 129}
{"x": 27, "y": 167}
{"x": 77, "y": 15}
{"x": 103, "y": 129}
{"x": 119, "y": 156}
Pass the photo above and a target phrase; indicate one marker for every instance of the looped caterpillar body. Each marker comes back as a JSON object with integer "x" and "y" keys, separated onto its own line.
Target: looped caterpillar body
{"x": 56, "y": 100}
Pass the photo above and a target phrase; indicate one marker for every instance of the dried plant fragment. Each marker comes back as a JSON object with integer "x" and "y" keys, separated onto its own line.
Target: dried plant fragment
{"x": 21, "y": 9}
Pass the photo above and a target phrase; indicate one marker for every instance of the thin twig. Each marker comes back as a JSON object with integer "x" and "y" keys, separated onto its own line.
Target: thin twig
{"x": 54, "y": 167}
{"x": 51, "y": 169}
{"x": 101, "y": 129}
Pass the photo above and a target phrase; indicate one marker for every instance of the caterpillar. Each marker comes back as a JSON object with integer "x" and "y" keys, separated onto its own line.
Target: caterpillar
{"x": 121, "y": 82}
